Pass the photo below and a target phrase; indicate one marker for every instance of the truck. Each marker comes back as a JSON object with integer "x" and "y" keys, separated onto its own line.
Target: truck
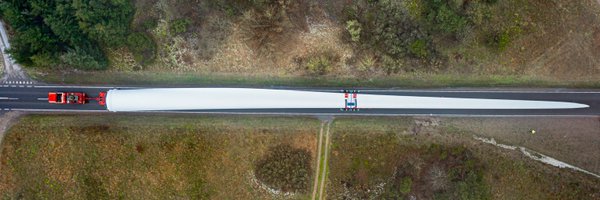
{"x": 74, "y": 98}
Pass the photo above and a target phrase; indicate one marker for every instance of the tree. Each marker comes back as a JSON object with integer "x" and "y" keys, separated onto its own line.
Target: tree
{"x": 105, "y": 21}
{"x": 76, "y": 31}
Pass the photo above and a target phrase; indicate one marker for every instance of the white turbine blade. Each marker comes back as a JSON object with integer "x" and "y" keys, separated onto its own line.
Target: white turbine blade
{"x": 241, "y": 98}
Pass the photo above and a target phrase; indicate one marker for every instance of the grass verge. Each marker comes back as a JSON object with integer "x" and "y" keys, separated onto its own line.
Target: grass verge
{"x": 416, "y": 80}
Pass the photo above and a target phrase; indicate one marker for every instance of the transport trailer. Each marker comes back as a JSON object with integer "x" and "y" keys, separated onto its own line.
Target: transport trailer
{"x": 74, "y": 98}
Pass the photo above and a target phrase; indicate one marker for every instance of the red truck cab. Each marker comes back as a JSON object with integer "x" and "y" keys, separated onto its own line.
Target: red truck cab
{"x": 66, "y": 97}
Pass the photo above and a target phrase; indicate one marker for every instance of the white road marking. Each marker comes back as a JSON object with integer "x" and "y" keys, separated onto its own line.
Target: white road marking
{"x": 42, "y": 99}
{"x": 8, "y": 98}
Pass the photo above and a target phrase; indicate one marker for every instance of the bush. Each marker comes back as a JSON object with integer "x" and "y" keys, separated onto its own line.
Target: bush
{"x": 419, "y": 48}
{"x": 285, "y": 168}
{"x": 501, "y": 39}
{"x": 444, "y": 17}
{"x": 267, "y": 26}
{"x": 354, "y": 28}
{"x": 390, "y": 65}
{"x": 149, "y": 24}
{"x": 367, "y": 63}
{"x": 390, "y": 29}
{"x": 406, "y": 185}
{"x": 142, "y": 46}
{"x": 87, "y": 59}
{"x": 44, "y": 60}
{"x": 452, "y": 17}
{"x": 457, "y": 175}
{"x": 319, "y": 65}
{"x": 180, "y": 26}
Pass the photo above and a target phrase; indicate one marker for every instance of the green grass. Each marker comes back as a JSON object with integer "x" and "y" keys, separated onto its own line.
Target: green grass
{"x": 141, "y": 157}
{"x": 410, "y": 80}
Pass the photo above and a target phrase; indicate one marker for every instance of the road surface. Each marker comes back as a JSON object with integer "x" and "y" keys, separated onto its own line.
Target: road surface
{"x": 34, "y": 98}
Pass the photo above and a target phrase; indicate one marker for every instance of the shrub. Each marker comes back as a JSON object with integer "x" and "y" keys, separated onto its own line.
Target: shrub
{"x": 457, "y": 176}
{"x": 319, "y": 65}
{"x": 264, "y": 27}
{"x": 391, "y": 30}
{"x": 142, "y": 46}
{"x": 444, "y": 17}
{"x": 501, "y": 39}
{"x": 44, "y": 60}
{"x": 478, "y": 12}
{"x": 285, "y": 168}
{"x": 354, "y": 28}
{"x": 367, "y": 63}
{"x": 419, "y": 48}
{"x": 87, "y": 59}
{"x": 390, "y": 65}
{"x": 452, "y": 17}
{"x": 149, "y": 24}
{"x": 405, "y": 185}
{"x": 180, "y": 26}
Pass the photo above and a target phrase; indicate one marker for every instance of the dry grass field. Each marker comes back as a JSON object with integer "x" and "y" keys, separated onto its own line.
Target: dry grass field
{"x": 254, "y": 157}
{"x": 427, "y": 158}
{"x": 139, "y": 157}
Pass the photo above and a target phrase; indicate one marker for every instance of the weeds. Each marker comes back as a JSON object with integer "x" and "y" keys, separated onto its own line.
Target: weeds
{"x": 319, "y": 65}
{"x": 367, "y": 64}
{"x": 180, "y": 26}
{"x": 354, "y": 28}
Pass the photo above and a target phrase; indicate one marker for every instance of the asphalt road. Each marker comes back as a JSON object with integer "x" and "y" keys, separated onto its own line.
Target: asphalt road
{"x": 34, "y": 98}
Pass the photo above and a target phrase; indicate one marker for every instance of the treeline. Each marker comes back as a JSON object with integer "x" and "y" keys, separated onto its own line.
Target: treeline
{"x": 71, "y": 33}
